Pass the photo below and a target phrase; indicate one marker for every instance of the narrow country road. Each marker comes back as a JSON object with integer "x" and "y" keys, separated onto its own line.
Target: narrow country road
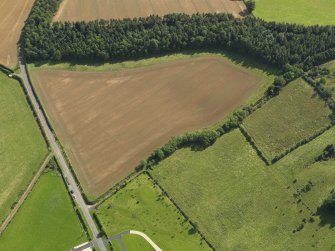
{"x": 57, "y": 152}
{"x": 25, "y": 194}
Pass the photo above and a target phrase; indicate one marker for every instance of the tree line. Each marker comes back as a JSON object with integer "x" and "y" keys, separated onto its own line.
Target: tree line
{"x": 278, "y": 44}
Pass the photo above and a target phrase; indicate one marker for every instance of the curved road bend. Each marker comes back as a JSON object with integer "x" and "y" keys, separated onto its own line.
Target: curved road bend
{"x": 58, "y": 153}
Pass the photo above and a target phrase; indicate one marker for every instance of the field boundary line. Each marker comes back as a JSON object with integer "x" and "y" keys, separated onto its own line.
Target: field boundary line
{"x": 253, "y": 144}
{"x": 300, "y": 143}
{"x": 179, "y": 209}
{"x": 25, "y": 194}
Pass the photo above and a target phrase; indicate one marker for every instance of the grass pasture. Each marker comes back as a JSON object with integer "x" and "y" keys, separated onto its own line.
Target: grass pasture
{"x": 46, "y": 221}
{"x": 134, "y": 242}
{"x": 87, "y": 10}
{"x": 307, "y": 12}
{"x": 241, "y": 204}
{"x": 295, "y": 114}
{"x": 109, "y": 121}
{"x": 22, "y": 147}
{"x": 142, "y": 206}
{"x": 12, "y": 17}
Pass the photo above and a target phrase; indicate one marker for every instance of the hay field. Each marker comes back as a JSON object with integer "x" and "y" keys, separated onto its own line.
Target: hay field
{"x": 296, "y": 114}
{"x": 87, "y": 10}
{"x": 109, "y": 121}
{"x": 12, "y": 17}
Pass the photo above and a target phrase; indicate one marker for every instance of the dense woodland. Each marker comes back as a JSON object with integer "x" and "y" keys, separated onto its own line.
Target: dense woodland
{"x": 274, "y": 43}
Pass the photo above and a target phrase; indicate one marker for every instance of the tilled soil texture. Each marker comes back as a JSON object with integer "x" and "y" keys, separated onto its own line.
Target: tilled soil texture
{"x": 110, "y": 121}
{"x": 12, "y": 17}
{"x": 87, "y": 10}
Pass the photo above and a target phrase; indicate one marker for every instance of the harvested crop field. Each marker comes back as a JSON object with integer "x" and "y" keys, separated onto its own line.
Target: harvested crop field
{"x": 109, "y": 121}
{"x": 12, "y": 17}
{"x": 87, "y": 10}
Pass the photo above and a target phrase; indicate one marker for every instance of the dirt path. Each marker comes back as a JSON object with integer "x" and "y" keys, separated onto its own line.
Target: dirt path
{"x": 25, "y": 194}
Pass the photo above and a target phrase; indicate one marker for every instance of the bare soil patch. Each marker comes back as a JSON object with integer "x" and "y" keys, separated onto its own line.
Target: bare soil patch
{"x": 12, "y": 17}
{"x": 87, "y": 10}
{"x": 109, "y": 121}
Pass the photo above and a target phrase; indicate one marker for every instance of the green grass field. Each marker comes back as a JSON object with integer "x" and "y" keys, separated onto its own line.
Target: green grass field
{"x": 294, "y": 115}
{"x": 46, "y": 221}
{"x": 308, "y": 12}
{"x": 142, "y": 206}
{"x": 22, "y": 147}
{"x": 241, "y": 204}
{"x": 134, "y": 242}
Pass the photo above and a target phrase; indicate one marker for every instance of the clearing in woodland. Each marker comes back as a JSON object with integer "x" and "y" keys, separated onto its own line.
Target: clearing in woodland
{"x": 296, "y": 114}
{"x": 12, "y": 17}
{"x": 22, "y": 147}
{"x": 229, "y": 192}
{"x": 109, "y": 121}
{"x": 87, "y": 10}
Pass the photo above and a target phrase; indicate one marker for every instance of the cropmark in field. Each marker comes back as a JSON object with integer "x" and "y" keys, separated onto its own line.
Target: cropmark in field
{"x": 109, "y": 121}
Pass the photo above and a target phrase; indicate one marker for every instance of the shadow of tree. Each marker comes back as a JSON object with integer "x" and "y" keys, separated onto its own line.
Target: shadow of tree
{"x": 326, "y": 214}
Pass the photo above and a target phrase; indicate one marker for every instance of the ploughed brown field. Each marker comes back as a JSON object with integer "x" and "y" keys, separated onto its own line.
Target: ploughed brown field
{"x": 109, "y": 121}
{"x": 12, "y": 17}
{"x": 86, "y": 10}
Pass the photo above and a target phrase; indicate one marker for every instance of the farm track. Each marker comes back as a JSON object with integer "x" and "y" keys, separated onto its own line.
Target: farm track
{"x": 25, "y": 194}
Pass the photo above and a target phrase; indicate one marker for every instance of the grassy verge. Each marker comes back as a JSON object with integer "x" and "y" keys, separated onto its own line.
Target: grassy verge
{"x": 22, "y": 147}
{"x": 229, "y": 192}
{"x": 307, "y": 12}
{"x": 284, "y": 121}
{"x": 142, "y": 206}
{"x": 46, "y": 221}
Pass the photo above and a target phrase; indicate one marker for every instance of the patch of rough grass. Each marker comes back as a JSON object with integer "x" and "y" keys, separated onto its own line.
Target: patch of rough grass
{"x": 46, "y": 220}
{"x": 296, "y": 114}
{"x": 307, "y": 12}
{"x": 22, "y": 147}
{"x": 330, "y": 79}
{"x": 239, "y": 203}
{"x": 141, "y": 206}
